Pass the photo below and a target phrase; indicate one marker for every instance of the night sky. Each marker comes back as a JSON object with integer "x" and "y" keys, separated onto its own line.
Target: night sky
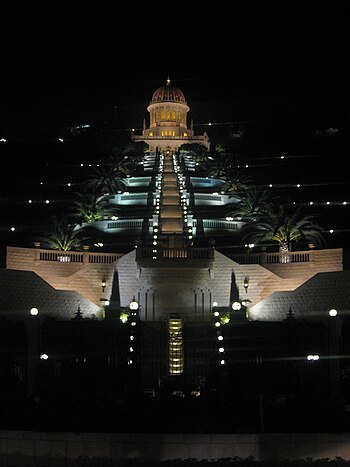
{"x": 65, "y": 63}
{"x": 279, "y": 68}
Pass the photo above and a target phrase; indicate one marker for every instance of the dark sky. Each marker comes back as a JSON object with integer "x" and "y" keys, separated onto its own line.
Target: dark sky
{"x": 65, "y": 63}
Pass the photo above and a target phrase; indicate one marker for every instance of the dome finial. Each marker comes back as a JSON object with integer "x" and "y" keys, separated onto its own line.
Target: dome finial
{"x": 168, "y": 81}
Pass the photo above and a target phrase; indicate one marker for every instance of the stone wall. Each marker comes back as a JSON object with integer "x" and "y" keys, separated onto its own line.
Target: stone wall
{"x": 320, "y": 261}
{"x": 189, "y": 290}
{"x": 83, "y": 277}
{"x": 17, "y": 448}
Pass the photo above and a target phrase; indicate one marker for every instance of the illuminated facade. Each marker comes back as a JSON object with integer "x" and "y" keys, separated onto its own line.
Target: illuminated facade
{"x": 168, "y": 121}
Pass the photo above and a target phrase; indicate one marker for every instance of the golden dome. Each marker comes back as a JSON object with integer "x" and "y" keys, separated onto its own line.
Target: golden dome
{"x": 168, "y": 93}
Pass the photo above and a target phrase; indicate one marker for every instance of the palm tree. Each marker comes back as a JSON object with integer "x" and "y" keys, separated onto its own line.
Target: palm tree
{"x": 91, "y": 208}
{"x": 133, "y": 153}
{"x": 235, "y": 182}
{"x": 285, "y": 228}
{"x": 121, "y": 164}
{"x": 198, "y": 151}
{"x": 105, "y": 179}
{"x": 222, "y": 166}
{"x": 253, "y": 205}
{"x": 62, "y": 236}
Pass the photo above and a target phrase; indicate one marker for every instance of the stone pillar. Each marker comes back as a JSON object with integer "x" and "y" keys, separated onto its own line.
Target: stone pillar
{"x": 37, "y": 252}
{"x": 86, "y": 253}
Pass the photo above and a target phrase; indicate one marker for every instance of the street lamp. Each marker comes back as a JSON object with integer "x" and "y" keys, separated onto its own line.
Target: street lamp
{"x": 104, "y": 302}
{"x": 246, "y": 284}
{"x": 134, "y": 308}
{"x": 134, "y": 305}
{"x": 241, "y": 305}
{"x": 103, "y": 284}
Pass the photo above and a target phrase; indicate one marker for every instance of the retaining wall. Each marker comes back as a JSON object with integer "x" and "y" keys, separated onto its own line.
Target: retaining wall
{"x": 17, "y": 447}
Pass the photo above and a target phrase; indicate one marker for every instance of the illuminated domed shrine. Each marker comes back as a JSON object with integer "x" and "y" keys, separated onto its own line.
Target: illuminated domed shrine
{"x": 168, "y": 121}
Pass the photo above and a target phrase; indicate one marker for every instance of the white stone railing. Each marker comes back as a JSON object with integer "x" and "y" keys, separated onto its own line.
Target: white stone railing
{"x": 60, "y": 256}
{"x": 221, "y": 224}
{"x": 125, "y": 224}
{"x": 76, "y": 256}
{"x": 274, "y": 258}
{"x": 176, "y": 253}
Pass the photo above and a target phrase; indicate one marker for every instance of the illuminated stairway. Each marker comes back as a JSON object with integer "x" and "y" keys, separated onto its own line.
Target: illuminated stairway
{"x": 170, "y": 209}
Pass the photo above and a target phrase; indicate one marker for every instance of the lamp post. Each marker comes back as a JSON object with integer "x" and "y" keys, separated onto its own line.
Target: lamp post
{"x": 334, "y": 348}
{"x": 33, "y": 330}
{"x": 134, "y": 311}
{"x": 242, "y": 306}
{"x": 236, "y": 306}
{"x": 134, "y": 307}
{"x": 246, "y": 284}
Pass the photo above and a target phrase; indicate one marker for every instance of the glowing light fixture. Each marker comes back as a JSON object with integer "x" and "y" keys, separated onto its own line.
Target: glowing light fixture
{"x": 246, "y": 283}
{"x": 134, "y": 305}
